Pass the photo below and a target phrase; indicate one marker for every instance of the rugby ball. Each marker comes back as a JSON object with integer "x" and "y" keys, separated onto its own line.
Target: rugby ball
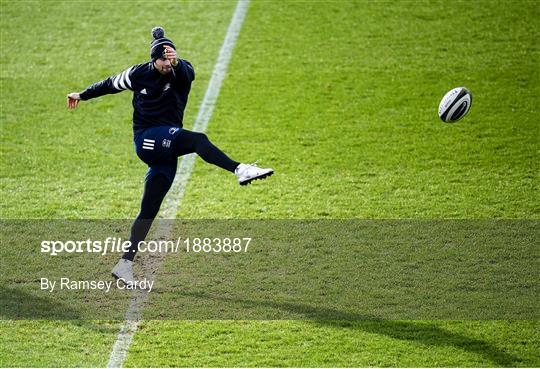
{"x": 455, "y": 105}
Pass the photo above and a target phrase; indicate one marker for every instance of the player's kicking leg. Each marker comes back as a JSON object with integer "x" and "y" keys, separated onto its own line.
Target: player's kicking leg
{"x": 188, "y": 142}
{"x": 169, "y": 143}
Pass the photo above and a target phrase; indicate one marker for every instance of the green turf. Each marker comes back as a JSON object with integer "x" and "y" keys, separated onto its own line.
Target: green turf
{"x": 339, "y": 97}
{"x": 335, "y": 344}
{"x": 346, "y": 113}
{"x": 81, "y": 164}
{"x": 52, "y": 162}
{"x": 46, "y": 343}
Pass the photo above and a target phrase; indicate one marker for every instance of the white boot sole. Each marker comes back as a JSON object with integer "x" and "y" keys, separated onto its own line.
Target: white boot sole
{"x": 262, "y": 176}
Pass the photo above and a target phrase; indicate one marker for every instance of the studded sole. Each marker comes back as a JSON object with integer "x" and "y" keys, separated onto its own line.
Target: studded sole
{"x": 262, "y": 176}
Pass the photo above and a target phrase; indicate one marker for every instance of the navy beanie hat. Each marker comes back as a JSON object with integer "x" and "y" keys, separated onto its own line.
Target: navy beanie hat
{"x": 158, "y": 44}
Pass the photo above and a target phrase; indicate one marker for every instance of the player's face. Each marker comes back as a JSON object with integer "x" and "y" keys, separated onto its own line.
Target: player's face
{"x": 163, "y": 65}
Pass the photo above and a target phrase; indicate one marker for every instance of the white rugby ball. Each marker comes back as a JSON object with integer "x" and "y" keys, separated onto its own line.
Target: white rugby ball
{"x": 455, "y": 104}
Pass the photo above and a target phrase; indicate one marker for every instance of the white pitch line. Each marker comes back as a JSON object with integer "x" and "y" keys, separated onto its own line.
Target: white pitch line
{"x": 176, "y": 193}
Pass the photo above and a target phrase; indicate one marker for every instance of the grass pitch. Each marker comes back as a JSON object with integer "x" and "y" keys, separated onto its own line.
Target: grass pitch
{"x": 339, "y": 97}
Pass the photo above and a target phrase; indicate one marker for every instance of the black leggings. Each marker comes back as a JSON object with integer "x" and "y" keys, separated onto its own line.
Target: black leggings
{"x": 156, "y": 187}
{"x": 188, "y": 142}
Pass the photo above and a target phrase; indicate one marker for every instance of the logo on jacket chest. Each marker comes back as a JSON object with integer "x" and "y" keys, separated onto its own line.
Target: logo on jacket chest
{"x": 146, "y": 91}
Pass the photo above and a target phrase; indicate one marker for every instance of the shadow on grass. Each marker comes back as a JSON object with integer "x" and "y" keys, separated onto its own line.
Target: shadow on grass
{"x": 421, "y": 332}
{"x": 17, "y": 304}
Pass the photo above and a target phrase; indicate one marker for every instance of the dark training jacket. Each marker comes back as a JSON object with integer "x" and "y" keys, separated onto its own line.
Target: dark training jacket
{"x": 158, "y": 100}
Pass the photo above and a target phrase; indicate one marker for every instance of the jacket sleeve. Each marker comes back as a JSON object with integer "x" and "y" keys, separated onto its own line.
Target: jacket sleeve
{"x": 184, "y": 71}
{"x": 111, "y": 85}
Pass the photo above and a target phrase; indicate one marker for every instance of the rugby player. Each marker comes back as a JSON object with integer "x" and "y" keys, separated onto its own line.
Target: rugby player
{"x": 160, "y": 93}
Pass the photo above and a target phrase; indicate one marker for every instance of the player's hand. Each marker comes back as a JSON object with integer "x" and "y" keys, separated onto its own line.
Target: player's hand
{"x": 170, "y": 54}
{"x": 73, "y": 100}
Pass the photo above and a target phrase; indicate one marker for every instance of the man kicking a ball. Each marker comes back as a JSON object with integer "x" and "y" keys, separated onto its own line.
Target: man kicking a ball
{"x": 160, "y": 93}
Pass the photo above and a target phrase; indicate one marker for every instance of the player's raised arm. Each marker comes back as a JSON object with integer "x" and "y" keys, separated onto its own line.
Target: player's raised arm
{"x": 183, "y": 69}
{"x": 111, "y": 85}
